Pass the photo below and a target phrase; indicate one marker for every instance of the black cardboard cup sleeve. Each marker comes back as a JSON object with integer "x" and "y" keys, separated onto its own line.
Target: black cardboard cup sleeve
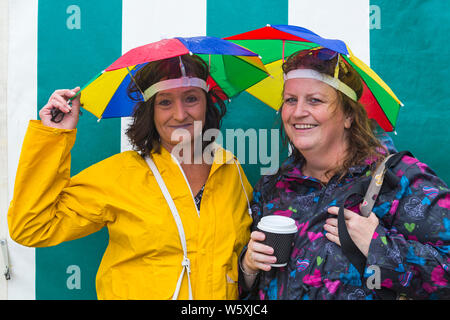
{"x": 280, "y": 232}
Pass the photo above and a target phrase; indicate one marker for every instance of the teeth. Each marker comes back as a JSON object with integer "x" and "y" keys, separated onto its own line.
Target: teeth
{"x": 304, "y": 126}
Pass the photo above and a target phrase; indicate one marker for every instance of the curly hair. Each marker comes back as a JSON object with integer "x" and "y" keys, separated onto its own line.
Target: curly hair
{"x": 142, "y": 132}
{"x": 362, "y": 143}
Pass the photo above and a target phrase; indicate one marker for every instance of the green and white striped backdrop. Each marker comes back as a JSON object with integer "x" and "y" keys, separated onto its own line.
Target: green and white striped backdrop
{"x": 51, "y": 44}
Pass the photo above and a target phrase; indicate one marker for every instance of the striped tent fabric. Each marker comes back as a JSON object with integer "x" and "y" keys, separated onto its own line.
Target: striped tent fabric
{"x": 53, "y": 44}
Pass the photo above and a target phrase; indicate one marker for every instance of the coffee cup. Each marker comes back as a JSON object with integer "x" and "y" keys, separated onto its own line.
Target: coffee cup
{"x": 280, "y": 232}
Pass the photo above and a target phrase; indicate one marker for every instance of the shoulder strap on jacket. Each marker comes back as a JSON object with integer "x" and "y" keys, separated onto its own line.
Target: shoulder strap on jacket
{"x": 374, "y": 188}
{"x": 349, "y": 248}
{"x": 391, "y": 180}
{"x": 396, "y": 157}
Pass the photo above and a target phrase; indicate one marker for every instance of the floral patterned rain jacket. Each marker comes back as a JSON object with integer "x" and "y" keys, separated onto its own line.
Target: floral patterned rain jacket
{"x": 410, "y": 245}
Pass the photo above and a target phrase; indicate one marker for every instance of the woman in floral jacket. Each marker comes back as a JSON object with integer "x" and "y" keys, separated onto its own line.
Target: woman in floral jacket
{"x": 406, "y": 237}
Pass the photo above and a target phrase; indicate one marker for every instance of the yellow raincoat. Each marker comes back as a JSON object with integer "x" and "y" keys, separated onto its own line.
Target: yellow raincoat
{"x": 144, "y": 254}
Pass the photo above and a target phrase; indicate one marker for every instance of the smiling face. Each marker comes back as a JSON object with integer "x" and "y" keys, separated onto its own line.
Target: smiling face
{"x": 178, "y": 109}
{"x": 313, "y": 118}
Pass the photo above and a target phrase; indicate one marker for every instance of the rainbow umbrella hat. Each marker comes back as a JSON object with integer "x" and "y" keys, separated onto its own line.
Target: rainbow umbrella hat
{"x": 232, "y": 68}
{"x": 276, "y": 42}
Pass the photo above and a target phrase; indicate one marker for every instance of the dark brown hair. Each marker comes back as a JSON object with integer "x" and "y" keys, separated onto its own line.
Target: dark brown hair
{"x": 142, "y": 132}
{"x": 362, "y": 143}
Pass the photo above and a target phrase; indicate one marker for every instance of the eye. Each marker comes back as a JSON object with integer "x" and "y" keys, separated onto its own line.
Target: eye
{"x": 290, "y": 100}
{"x": 314, "y": 101}
{"x": 191, "y": 99}
{"x": 163, "y": 102}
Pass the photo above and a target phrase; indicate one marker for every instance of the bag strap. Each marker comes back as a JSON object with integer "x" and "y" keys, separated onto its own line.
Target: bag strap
{"x": 349, "y": 248}
{"x": 374, "y": 188}
{"x": 185, "y": 262}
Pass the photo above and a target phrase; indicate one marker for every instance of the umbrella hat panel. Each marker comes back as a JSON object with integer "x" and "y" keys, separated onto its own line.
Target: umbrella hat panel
{"x": 367, "y": 70}
{"x": 269, "y": 90}
{"x": 163, "y": 49}
{"x": 211, "y": 45}
{"x": 333, "y": 44}
{"x": 379, "y": 103}
{"x": 233, "y": 69}
{"x": 122, "y": 105}
{"x": 97, "y": 95}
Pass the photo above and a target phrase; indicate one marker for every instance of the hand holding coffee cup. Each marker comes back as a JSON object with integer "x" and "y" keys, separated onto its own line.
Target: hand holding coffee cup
{"x": 280, "y": 232}
{"x": 258, "y": 256}
{"x": 271, "y": 245}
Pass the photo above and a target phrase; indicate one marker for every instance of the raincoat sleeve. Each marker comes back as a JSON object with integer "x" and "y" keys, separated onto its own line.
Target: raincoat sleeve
{"x": 413, "y": 254}
{"x": 47, "y": 207}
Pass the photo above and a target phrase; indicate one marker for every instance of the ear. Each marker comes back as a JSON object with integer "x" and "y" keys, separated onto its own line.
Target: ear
{"x": 348, "y": 122}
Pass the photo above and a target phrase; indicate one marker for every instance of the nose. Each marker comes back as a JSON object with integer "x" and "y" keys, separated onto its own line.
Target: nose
{"x": 179, "y": 111}
{"x": 301, "y": 109}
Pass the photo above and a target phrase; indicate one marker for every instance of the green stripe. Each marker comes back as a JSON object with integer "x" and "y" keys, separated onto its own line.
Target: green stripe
{"x": 409, "y": 49}
{"x": 233, "y": 74}
{"x": 272, "y": 50}
{"x": 68, "y": 58}
{"x": 226, "y": 18}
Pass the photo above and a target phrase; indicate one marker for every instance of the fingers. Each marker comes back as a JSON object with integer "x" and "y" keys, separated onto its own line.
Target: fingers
{"x": 333, "y": 238}
{"x": 57, "y": 101}
{"x": 75, "y": 98}
{"x": 257, "y": 236}
{"x": 331, "y": 225}
{"x": 258, "y": 255}
{"x": 61, "y": 100}
{"x": 348, "y": 214}
{"x": 331, "y": 228}
{"x": 256, "y": 244}
{"x": 359, "y": 228}
{"x": 261, "y": 261}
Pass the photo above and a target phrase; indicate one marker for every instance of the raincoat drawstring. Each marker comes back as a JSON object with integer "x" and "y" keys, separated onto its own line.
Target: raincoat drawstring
{"x": 185, "y": 262}
{"x": 243, "y": 189}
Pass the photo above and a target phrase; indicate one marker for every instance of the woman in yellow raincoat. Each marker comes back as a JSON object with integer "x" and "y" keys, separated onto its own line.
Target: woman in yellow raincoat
{"x": 157, "y": 249}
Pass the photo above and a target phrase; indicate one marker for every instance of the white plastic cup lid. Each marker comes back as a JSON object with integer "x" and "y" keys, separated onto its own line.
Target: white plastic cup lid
{"x": 277, "y": 224}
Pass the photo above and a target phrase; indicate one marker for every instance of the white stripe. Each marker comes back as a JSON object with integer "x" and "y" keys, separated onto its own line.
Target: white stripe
{"x": 146, "y": 21}
{"x": 21, "y": 105}
{"x": 344, "y": 20}
{"x": 3, "y": 138}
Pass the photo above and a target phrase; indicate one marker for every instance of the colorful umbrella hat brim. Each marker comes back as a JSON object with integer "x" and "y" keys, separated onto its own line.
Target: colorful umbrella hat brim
{"x": 380, "y": 105}
{"x": 269, "y": 91}
{"x": 232, "y": 70}
{"x": 378, "y": 99}
{"x": 275, "y": 43}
